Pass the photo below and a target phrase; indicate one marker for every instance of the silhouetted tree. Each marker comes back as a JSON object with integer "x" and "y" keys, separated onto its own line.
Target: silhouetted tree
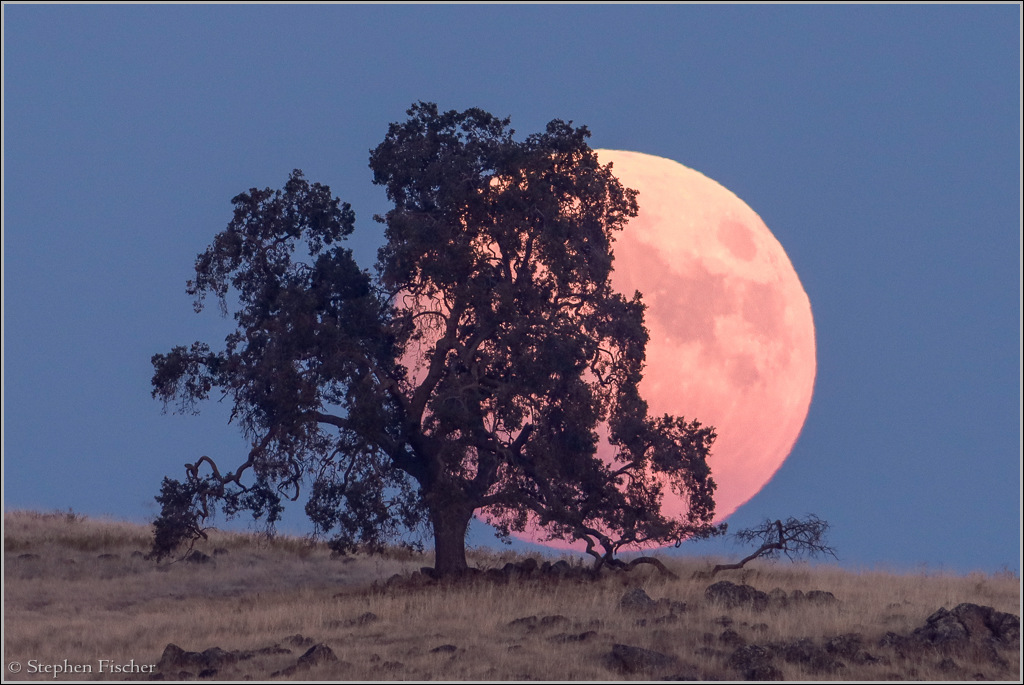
{"x": 795, "y": 537}
{"x": 493, "y": 287}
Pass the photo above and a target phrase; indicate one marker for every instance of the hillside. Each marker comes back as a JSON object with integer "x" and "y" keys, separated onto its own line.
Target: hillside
{"x": 82, "y": 602}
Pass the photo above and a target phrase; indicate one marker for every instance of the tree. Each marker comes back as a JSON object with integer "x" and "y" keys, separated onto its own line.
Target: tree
{"x": 469, "y": 373}
{"x": 795, "y": 537}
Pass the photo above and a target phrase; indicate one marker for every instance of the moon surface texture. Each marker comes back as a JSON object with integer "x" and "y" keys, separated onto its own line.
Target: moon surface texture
{"x": 731, "y": 332}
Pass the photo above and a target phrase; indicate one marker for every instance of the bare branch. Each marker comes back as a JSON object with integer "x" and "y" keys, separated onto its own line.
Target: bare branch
{"x": 794, "y": 538}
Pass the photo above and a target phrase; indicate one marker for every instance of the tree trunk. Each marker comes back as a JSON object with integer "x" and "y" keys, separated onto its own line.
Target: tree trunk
{"x": 450, "y": 525}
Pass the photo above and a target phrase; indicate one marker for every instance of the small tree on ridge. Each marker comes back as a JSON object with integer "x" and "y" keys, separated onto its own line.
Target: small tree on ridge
{"x": 795, "y": 537}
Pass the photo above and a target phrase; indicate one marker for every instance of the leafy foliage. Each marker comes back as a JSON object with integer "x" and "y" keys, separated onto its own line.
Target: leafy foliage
{"x": 470, "y": 372}
{"x": 177, "y": 520}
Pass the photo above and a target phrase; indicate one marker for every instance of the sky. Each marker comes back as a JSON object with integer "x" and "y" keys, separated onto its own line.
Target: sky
{"x": 881, "y": 144}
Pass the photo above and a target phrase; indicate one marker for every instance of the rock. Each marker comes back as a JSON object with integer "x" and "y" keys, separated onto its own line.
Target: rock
{"x": 673, "y": 606}
{"x": 808, "y": 654}
{"x": 366, "y": 618}
{"x": 731, "y": 595}
{"x": 175, "y": 659}
{"x": 273, "y": 649}
{"x": 298, "y": 640}
{"x": 731, "y": 638}
{"x": 527, "y": 623}
{"x": 983, "y": 622}
{"x": 215, "y": 657}
{"x": 755, "y": 663}
{"x": 520, "y": 569}
{"x": 969, "y": 630}
{"x": 531, "y": 623}
{"x": 822, "y": 597}
{"x": 316, "y": 655}
{"x": 763, "y": 672}
{"x": 901, "y": 644}
{"x": 560, "y": 568}
{"x": 1005, "y": 627}
{"x": 845, "y": 645}
{"x": 629, "y": 659}
{"x": 496, "y": 576}
{"x": 197, "y": 557}
{"x": 554, "y": 621}
{"x": 849, "y": 646}
{"x": 562, "y": 638}
{"x": 980, "y": 627}
{"x": 528, "y": 565}
{"x": 778, "y": 597}
{"x": 635, "y": 599}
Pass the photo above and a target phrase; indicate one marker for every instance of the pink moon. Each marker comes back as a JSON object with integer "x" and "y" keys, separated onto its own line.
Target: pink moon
{"x": 731, "y": 332}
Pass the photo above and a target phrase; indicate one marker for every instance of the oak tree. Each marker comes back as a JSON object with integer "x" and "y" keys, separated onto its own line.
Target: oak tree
{"x": 473, "y": 371}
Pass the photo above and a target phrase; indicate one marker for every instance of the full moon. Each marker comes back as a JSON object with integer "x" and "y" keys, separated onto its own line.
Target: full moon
{"x": 731, "y": 332}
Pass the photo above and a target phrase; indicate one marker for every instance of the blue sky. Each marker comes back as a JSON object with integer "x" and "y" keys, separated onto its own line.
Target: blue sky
{"x": 880, "y": 143}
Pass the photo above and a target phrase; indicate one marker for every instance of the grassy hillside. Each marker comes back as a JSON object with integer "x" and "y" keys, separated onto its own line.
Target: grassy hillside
{"x": 81, "y": 602}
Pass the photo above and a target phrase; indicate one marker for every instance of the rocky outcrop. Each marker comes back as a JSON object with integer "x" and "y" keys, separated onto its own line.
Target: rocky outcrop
{"x": 314, "y": 656}
{"x": 180, "y": 664}
{"x": 531, "y": 623}
{"x": 200, "y": 559}
{"x": 630, "y": 659}
{"x": 807, "y": 653}
{"x": 731, "y": 595}
{"x": 636, "y": 599}
{"x": 760, "y": 662}
{"x": 849, "y": 646}
{"x": 754, "y": 663}
{"x": 970, "y": 622}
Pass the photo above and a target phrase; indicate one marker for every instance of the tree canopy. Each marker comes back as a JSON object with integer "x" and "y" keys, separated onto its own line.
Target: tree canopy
{"x": 472, "y": 371}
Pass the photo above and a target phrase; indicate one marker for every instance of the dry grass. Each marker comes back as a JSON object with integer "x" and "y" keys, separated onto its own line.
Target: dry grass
{"x": 79, "y": 590}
